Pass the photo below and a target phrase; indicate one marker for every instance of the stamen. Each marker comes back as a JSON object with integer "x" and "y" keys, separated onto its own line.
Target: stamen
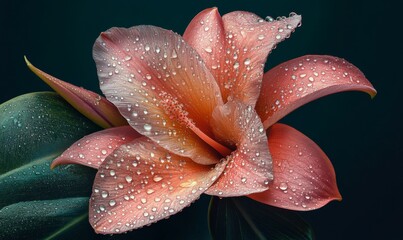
{"x": 175, "y": 110}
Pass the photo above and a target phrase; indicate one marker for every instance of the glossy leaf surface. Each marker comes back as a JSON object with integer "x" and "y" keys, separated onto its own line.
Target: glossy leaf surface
{"x": 34, "y": 129}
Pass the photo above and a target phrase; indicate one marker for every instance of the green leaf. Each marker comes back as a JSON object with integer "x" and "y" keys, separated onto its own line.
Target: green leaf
{"x": 244, "y": 218}
{"x": 34, "y": 129}
{"x": 42, "y": 219}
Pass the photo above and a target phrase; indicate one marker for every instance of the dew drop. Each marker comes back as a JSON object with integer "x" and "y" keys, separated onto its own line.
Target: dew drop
{"x": 104, "y": 194}
{"x": 261, "y": 129}
{"x": 147, "y": 127}
{"x": 112, "y": 203}
{"x": 247, "y": 61}
{"x": 157, "y": 178}
{"x": 208, "y": 49}
{"x": 283, "y": 186}
{"x": 174, "y": 54}
{"x": 129, "y": 179}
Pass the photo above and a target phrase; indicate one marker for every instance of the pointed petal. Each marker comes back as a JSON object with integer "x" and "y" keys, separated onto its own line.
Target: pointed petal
{"x": 304, "y": 177}
{"x": 141, "y": 183}
{"x": 205, "y": 33}
{"x": 88, "y": 103}
{"x": 160, "y": 85}
{"x": 301, "y": 80}
{"x": 249, "y": 167}
{"x": 249, "y": 39}
{"x": 92, "y": 149}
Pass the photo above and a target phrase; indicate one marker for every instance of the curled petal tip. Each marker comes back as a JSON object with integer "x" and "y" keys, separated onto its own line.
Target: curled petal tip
{"x": 372, "y": 92}
{"x": 313, "y": 76}
{"x": 88, "y": 103}
{"x": 27, "y": 61}
{"x": 54, "y": 164}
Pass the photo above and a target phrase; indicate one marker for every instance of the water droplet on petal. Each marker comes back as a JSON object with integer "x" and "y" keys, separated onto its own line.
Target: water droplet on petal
{"x": 208, "y": 49}
{"x": 129, "y": 179}
{"x": 147, "y": 127}
{"x": 157, "y": 178}
{"x": 104, "y": 194}
{"x": 283, "y": 186}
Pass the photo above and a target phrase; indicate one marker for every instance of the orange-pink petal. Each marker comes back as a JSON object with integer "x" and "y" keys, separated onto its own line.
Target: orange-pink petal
{"x": 301, "y": 80}
{"x": 205, "y": 33}
{"x": 92, "y": 149}
{"x": 248, "y": 41}
{"x": 249, "y": 167}
{"x": 161, "y": 86}
{"x": 90, "y": 104}
{"x": 304, "y": 178}
{"x": 141, "y": 183}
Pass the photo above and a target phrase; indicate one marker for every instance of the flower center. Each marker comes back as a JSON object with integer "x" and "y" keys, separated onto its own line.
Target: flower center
{"x": 176, "y": 111}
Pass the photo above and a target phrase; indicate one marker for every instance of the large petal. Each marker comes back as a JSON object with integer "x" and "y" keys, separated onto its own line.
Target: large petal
{"x": 92, "y": 149}
{"x": 301, "y": 80}
{"x": 205, "y": 33}
{"x": 249, "y": 167}
{"x": 249, "y": 39}
{"x": 141, "y": 183}
{"x": 160, "y": 85}
{"x": 304, "y": 177}
{"x": 93, "y": 106}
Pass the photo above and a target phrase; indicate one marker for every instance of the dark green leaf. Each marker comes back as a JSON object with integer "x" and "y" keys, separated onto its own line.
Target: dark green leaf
{"x": 42, "y": 219}
{"x": 244, "y": 218}
{"x": 34, "y": 129}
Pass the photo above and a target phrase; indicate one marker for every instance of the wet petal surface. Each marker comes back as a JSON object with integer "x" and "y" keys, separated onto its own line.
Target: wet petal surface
{"x": 304, "y": 178}
{"x": 249, "y": 167}
{"x": 160, "y": 85}
{"x": 141, "y": 183}
{"x": 205, "y": 33}
{"x": 249, "y": 39}
{"x": 92, "y": 149}
{"x": 301, "y": 80}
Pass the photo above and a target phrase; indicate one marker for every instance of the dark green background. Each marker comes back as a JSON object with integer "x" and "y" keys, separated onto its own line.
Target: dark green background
{"x": 362, "y": 137}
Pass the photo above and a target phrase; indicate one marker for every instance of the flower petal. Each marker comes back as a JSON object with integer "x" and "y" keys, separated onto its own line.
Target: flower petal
{"x": 160, "y": 85}
{"x": 301, "y": 80}
{"x": 249, "y": 39}
{"x": 249, "y": 167}
{"x": 92, "y": 149}
{"x": 205, "y": 33}
{"x": 88, "y": 103}
{"x": 141, "y": 183}
{"x": 304, "y": 177}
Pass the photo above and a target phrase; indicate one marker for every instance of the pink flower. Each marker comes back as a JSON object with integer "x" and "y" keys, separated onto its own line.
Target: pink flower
{"x": 202, "y": 119}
